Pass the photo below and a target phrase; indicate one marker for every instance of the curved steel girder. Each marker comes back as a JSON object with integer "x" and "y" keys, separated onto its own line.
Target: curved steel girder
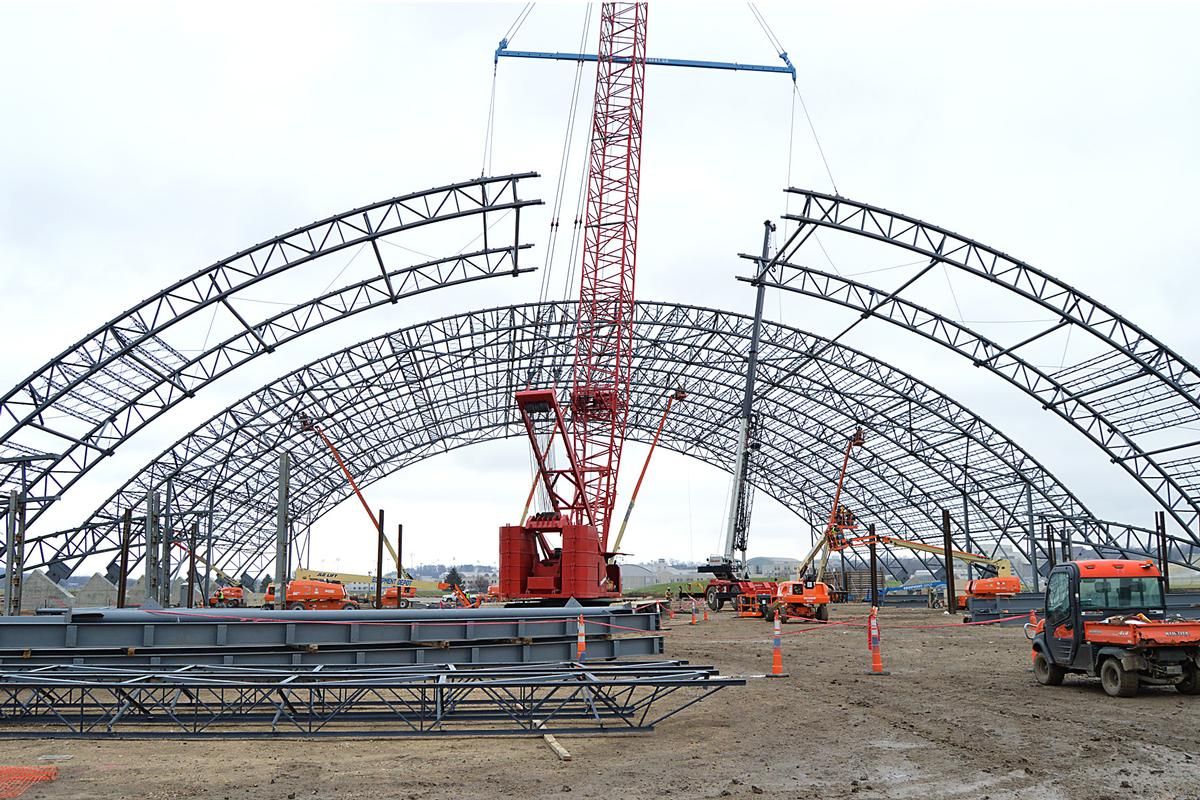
{"x": 704, "y": 326}
{"x": 110, "y": 384}
{"x": 703, "y": 407}
{"x": 1003, "y": 362}
{"x": 1138, "y": 386}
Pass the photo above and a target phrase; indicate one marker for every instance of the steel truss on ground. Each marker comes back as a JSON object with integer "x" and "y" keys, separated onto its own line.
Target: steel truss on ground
{"x": 79, "y": 407}
{"x": 424, "y": 390}
{"x": 222, "y": 702}
{"x": 1137, "y": 400}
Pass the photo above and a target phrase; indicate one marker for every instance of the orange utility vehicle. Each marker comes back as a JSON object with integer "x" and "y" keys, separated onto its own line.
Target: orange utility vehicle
{"x": 228, "y": 597}
{"x": 799, "y": 600}
{"x": 311, "y": 596}
{"x": 1107, "y": 618}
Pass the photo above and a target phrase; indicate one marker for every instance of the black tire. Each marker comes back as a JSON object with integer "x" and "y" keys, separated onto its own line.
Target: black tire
{"x": 768, "y": 612}
{"x": 713, "y": 598}
{"x": 295, "y": 606}
{"x": 405, "y": 603}
{"x": 268, "y": 606}
{"x": 1191, "y": 680}
{"x": 235, "y": 604}
{"x": 823, "y": 613}
{"x": 349, "y": 606}
{"x": 1047, "y": 674}
{"x": 1116, "y": 680}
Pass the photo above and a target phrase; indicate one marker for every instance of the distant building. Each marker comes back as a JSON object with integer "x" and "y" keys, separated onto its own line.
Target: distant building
{"x": 636, "y": 576}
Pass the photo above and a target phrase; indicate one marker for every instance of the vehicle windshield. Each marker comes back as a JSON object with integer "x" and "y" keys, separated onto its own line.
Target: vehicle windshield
{"x": 1120, "y": 594}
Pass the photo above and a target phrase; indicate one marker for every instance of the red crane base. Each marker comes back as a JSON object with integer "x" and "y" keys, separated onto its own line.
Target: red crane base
{"x": 532, "y": 570}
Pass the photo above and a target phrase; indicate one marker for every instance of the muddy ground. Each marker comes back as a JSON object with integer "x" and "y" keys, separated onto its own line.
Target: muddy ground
{"x": 959, "y": 717}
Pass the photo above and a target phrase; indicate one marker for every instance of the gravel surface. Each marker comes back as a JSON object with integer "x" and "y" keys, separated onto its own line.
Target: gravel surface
{"x": 960, "y": 716}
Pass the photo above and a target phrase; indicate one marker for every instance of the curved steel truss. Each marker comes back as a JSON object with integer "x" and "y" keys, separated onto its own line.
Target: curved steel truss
{"x": 397, "y": 399}
{"x": 81, "y": 405}
{"x": 1132, "y": 396}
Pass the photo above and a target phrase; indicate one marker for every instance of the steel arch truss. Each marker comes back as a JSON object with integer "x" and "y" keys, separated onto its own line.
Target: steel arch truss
{"x": 1135, "y": 399}
{"x": 79, "y": 407}
{"x": 397, "y": 399}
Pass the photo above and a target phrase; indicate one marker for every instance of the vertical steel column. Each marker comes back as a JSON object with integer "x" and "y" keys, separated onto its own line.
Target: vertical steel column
{"x": 191, "y": 581}
{"x": 168, "y": 542}
{"x": 966, "y": 518}
{"x": 12, "y": 578}
{"x": 948, "y": 546}
{"x": 1051, "y": 545}
{"x": 1032, "y": 534}
{"x": 150, "y": 581}
{"x": 281, "y": 530}
{"x": 208, "y": 567}
{"x": 379, "y": 563}
{"x": 123, "y": 571}
{"x": 399, "y": 552}
{"x": 874, "y": 565}
{"x": 1164, "y": 552}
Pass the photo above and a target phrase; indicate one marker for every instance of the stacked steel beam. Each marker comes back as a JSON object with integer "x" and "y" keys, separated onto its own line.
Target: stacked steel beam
{"x": 128, "y": 637}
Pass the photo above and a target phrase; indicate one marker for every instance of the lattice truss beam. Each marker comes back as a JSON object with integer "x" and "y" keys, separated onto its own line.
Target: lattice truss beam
{"x": 398, "y": 399}
{"x": 80, "y": 406}
{"x": 1124, "y": 390}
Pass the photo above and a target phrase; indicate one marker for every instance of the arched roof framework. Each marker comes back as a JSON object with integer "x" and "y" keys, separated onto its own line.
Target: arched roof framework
{"x": 1136, "y": 400}
{"x": 426, "y": 389}
{"x": 80, "y": 406}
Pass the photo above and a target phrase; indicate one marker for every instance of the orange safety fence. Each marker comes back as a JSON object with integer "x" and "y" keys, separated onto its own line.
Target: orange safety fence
{"x": 15, "y": 781}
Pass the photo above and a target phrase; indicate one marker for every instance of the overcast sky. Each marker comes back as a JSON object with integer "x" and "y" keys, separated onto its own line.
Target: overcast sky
{"x": 142, "y": 141}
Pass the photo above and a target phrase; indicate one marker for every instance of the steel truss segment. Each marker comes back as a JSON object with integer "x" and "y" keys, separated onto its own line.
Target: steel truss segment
{"x": 110, "y": 384}
{"x": 916, "y": 465}
{"x": 223, "y": 702}
{"x": 382, "y": 448}
{"x": 1102, "y": 430}
{"x": 1136, "y": 384}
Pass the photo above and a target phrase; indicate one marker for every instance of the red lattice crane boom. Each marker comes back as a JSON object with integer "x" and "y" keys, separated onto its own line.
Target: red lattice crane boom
{"x": 604, "y": 327}
{"x": 581, "y": 481}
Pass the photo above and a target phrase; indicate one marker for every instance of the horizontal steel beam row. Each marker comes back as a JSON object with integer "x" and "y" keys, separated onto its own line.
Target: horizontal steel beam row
{"x": 465, "y": 653}
{"x": 562, "y": 697}
{"x": 142, "y": 630}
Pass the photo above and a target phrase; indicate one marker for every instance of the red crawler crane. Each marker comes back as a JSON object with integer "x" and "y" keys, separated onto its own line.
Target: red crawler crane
{"x": 580, "y": 475}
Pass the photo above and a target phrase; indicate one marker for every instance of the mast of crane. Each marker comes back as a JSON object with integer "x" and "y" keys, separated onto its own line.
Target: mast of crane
{"x": 737, "y": 524}
{"x": 604, "y": 325}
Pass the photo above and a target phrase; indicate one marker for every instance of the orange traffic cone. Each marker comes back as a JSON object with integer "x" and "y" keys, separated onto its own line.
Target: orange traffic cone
{"x": 693, "y": 622}
{"x": 580, "y": 639}
{"x": 671, "y": 610}
{"x": 705, "y": 607}
{"x": 873, "y": 644}
{"x": 1032, "y": 617}
{"x": 777, "y": 655}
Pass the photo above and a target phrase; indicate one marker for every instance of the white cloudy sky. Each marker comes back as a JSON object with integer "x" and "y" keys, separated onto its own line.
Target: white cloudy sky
{"x": 141, "y": 141}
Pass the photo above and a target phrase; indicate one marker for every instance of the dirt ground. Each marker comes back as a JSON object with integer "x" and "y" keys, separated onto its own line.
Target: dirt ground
{"x": 959, "y": 717}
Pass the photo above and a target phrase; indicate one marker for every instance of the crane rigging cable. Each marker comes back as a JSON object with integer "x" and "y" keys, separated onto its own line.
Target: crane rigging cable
{"x": 564, "y": 163}
{"x": 489, "y": 133}
{"x": 777, "y": 45}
